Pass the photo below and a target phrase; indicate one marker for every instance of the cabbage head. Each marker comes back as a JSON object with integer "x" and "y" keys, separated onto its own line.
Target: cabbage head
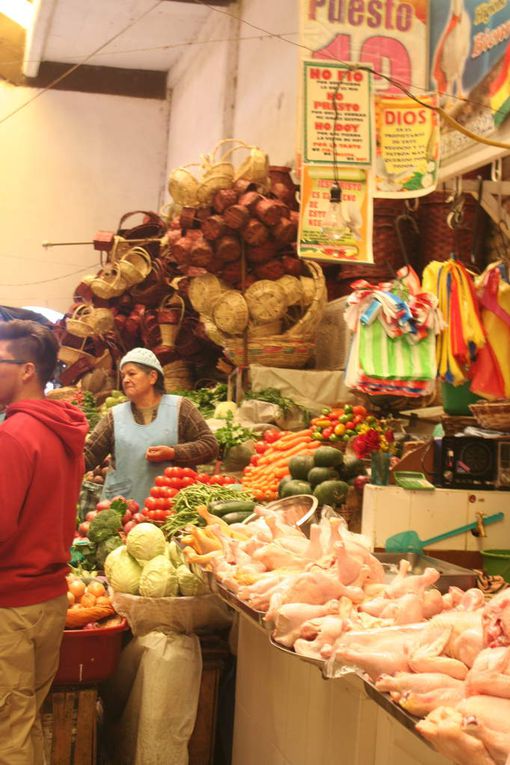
{"x": 189, "y": 584}
{"x": 174, "y": 553}
{"x": 158, "y": 579}
{"x": 144, "y": 542}
{"x": 105, "y": 548}
{"x": 123, "y": 571}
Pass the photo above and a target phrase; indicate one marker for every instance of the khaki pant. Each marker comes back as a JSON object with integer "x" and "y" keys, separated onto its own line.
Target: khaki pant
{"x": 30, "y": 638}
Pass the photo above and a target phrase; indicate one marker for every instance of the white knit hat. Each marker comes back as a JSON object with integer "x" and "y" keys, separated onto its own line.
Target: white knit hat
{"x": 142, "y": 356}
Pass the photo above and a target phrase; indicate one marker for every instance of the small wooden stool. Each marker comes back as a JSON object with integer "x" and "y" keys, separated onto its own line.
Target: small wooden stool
{"x": 69, "y": 719}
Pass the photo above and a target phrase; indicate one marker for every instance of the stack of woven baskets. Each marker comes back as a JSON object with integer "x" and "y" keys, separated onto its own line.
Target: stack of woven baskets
{"x": 255, "y": 298}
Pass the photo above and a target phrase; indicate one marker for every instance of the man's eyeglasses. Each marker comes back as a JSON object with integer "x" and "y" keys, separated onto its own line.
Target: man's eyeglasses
{"x": 12, "y": 361}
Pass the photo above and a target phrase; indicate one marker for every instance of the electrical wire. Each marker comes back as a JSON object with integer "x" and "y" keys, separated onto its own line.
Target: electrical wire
{"x": 53, "y": 279}
{"x": 448, "y": 118}
{"x": 73, "y": 68}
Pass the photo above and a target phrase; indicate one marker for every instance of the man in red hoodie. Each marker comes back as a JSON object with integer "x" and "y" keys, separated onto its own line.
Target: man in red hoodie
{"x": 41, "y": 469}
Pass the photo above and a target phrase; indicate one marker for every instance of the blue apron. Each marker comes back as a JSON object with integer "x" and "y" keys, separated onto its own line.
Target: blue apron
{"x": 134, "y": 475}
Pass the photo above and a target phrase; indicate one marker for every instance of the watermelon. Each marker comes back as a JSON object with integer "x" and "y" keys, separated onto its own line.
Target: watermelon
{"x": 296, "y": 487}
{"x": 331, "y": 493}
{"x": 351, "y": 468}
{"x": 283, "y": 483}
{"x": 319, "y": 474}
{"x": 327, "y": 456}
{"x": 300, "y": 466}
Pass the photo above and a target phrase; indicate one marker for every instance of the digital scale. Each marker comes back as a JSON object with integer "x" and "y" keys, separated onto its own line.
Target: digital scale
{"x": 473, "y": 462}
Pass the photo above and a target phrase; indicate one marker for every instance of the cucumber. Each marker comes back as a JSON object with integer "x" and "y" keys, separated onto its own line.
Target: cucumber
{"x": 231, "y": 506}
{"x": 237, "y": 517}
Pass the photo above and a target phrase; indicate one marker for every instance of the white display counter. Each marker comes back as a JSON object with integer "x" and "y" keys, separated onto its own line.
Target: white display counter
{"x": 390, "y": 509}
{"x": 287, "y": 714}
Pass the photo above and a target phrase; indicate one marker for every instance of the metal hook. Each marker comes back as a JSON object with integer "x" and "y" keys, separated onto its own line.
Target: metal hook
{"x": 412, "y": 204}
{"x": 405, "y": 217}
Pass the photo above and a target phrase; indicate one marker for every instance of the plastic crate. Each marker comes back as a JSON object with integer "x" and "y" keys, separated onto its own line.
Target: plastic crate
{"x": 89, "y": 656}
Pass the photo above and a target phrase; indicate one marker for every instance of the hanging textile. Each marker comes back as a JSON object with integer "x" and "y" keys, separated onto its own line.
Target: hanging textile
{"x": 461, "y": 350}
{"x": 395, "y": 326}
{"x": 493, "y": 290}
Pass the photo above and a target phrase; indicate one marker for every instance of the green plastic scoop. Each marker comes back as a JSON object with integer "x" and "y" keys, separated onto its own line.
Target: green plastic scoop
{"x": 409, "y": 541}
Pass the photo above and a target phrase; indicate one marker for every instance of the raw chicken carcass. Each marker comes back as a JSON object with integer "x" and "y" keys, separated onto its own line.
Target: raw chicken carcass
{"x": 443, "y": 728}
{"x": 404, "y": 582}
{"x": 291, "y": 617}
{"x": 490, "y": 673}
{"x": 496, "y": 620}
{"x": 487, "y": 719}
{"x": 421, "y": 682}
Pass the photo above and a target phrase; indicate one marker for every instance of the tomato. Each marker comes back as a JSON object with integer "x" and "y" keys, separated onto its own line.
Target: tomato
{"x": 339, "y": 429}
{"x": 129, "y": 526}
{"x": 344, "y": 418}
{"x": 254, "y": 459}
{"x": 323, "y": 423}
{"x": 347, "y": 409}
{"x": 189, "y": 473}
{"x": 161, "y": 480}
{"x": 317, "y": 435}
{"x": 103, "y": 505}
{"x": 133, "y": 506}
{"x": 128, "y": 516}
{"x": 174, "y": 472}
{"x": 160, "y": 515}
{"x": 137, "y": 518}
{"x": 326, "y": 410}
{"x": 83, "y": 528}
{"x": 154, "y": 492}
{"x": 175, "y": 483}
{"x": 203, "y": 478}
{"x": 360, "y": 410}
{"x": 187, "y": 480}
{"x": 229, "y": 479}
{"x": 91, "y": 515}
{"x": 271, "y": 435}
{"x": 261, "y": 447}
{"x": 327, "y": 432}
{"x": 216, "y": 479}
{"x": 151, "y": 502}
{"x": 349, "y": 425}
{"x": 333, "y": 437}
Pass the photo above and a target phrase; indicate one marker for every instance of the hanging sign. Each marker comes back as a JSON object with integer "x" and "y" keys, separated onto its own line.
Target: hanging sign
{"x": 340, "y": 233}
{"x": 407, "y": 147}
{"x": 470, "y": 66}
{"x": 388, "y": 35}
{"x": 337, "y": 117}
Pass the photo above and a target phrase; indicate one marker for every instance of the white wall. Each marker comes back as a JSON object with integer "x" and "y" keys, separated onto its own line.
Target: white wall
{"x": 247, "y": 91}
{"x": 71, "y": 164}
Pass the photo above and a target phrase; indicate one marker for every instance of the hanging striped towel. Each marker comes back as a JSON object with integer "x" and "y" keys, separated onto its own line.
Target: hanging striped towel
{"x": 395, "y": 357}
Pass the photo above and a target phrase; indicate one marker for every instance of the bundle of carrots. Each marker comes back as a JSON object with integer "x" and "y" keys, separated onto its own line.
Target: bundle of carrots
{"x": 271, "y": 462}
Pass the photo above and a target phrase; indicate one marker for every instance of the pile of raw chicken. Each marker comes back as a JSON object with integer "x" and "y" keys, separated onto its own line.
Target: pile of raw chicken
{"x": 445, "y": 658}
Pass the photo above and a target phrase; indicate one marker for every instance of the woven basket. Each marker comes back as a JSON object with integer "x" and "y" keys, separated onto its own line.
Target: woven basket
{"x": 230, "y": 312}
{"x": 293, "y": 289}
{"x": 270, "y": 352}
{"x": 270, "y": 329}
{"x": 177, "y": 376}
{"x": 80, "y": 321}
{"x": 493, "y": 415}
{"x": 307, "y": 325}
{"x": 203, "y": 292}
{"x": 102, "y": 320}
{"x": 170, "y": 314}
{"x": 455, "y": 424}
{"x": 69, "y": 355}
{"x": 266, "y": 301}
{"x": 108, "y": 283}
{"x": 135, "y": 265}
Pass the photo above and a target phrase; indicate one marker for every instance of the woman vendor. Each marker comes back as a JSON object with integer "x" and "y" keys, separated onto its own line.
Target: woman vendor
{"x": 151, "y": 428}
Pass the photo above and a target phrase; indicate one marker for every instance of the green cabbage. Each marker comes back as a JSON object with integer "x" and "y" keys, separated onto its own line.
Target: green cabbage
{"x": 145, "y": 541}
{"x": 174, "y": 553}
{"x": 189, "y": 584}
{"x": 105, "y": 548}
{"x": 158, "y": 579}
{"x": 122, "y": 571}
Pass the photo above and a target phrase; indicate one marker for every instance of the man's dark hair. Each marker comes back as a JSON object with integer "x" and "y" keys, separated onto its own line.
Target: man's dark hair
{"x": 31, "y": 341}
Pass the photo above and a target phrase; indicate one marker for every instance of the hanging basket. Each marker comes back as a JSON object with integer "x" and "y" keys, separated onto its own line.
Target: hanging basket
{"x": 170, "y": 314}
{"x": 177, "y": 376}
{"x": 108, "y": 283}
{"x": 293, "y": 289}
{"x": 102, "y": 320}
{"x": 266, "y": 301}
{"x": 69, "y": 355}
{"x": 203, "y": 292}
{"x": 306, "y": 327}
{"x": 135, "y": 265}
{"x": 230, "y": 313}
{"x": 80, "y": 321}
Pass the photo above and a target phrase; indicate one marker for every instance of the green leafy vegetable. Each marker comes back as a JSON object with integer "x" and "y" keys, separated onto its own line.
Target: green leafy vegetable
{"x": 232, "y": 434}
{"x": 205, "y": 399}
{"x": 105, "y": 548}
{"x": 106, "y": 524}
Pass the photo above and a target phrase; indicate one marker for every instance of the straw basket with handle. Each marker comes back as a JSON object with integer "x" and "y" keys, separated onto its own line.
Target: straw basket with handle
{"x": 203, "y": 292}
{"x": 230, "y": 312}
{"x": 266, "y": 300}
{"x": 80, "y": 321}
{"x": 68, "y": 354}
{"x": 177, "y": 376}
{"x": 135, "y": 265}
{"x": 109, "y": 282}
{"x": 170, "y": 314}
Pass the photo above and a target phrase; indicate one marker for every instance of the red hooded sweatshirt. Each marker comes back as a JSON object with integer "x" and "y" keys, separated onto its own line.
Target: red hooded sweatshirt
{"x": 41, "y": 469}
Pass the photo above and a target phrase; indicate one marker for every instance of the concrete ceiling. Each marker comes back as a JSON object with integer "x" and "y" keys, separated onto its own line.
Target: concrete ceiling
{"x": 68, "y": 31}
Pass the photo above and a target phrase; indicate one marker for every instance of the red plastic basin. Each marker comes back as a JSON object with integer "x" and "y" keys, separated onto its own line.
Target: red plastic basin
{"x": 89, "y": 656}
